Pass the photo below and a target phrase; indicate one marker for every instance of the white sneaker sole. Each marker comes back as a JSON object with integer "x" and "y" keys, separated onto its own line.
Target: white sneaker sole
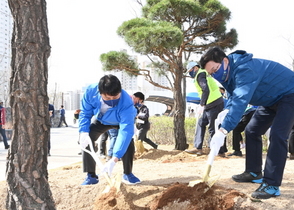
{"x": 129, "y": 183}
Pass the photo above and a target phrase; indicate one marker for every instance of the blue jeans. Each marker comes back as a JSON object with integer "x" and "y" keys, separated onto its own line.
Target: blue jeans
{"x": 112, "y": 135}
{"x": 280, "y": 117}
{"x": 2, "y": 130}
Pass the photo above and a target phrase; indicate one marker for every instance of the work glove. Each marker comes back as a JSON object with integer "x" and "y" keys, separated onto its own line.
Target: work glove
{"x": 85, "y": 140}
{"x": 108, "y": 167}
{"x": 221, "y": 116}
{"x": 217, "y": 141}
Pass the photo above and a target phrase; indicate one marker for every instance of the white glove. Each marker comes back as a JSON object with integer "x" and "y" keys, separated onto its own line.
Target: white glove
{"x": 108, "y": 167}
{"x": 220, "y": 118}
{"x": 85, "y": 140}
{"x": 200, "y": 111}
{"x": 217, "y": 141}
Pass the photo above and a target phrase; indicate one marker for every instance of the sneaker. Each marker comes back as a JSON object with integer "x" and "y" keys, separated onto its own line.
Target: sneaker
{"x": 130, "y": 179}
{"x": 266, "y": 191}
{"x": 248, "y": 177}
{"x": 192, "y": 151}
{"x": 7, "y": 147}
{"x": 236, "y": 153}
{"x": 90, "y": 180}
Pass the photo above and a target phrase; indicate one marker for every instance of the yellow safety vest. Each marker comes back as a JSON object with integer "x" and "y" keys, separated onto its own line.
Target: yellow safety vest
{"x": 214, "y": 92}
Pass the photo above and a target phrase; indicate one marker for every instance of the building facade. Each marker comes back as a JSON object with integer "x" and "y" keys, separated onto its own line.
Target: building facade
{"x": 6, "y": 27}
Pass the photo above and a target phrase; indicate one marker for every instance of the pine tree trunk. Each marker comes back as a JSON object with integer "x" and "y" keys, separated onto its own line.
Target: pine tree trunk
{"x": 179, "y": 115}
{"x": 27, "y": 174}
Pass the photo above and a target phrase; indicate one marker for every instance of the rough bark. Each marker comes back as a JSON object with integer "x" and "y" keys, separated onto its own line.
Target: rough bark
{"x": 26, "y": 172}
{"x": 179, "y": 114}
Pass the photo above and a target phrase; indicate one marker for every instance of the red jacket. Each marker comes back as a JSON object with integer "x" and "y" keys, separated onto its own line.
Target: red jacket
{"x": 2, "y": 115}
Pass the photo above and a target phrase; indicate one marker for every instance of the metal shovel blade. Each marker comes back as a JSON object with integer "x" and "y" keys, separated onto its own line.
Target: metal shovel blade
{"x": 210, "y": 181}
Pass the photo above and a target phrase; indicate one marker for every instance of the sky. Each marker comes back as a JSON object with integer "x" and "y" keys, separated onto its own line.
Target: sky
{"x": 80, "y": 32}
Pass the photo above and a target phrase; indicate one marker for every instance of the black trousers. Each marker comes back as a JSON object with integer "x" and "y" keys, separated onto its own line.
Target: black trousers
{"x": 97, "y": 129}
{"x": 143, "y": 137}
{"x": 237, "y": 132}
{"x": 103, "y": 140}
{"x": 280, "y": 117}
{"x": 291, "y": 141}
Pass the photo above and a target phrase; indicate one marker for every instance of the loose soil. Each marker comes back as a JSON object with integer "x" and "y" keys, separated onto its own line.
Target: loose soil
{"x": 165, "y": 175}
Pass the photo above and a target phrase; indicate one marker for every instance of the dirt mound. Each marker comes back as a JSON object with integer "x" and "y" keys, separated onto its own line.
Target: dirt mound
{"x": 171, "y": 156}
{"x": 174, "y": 197}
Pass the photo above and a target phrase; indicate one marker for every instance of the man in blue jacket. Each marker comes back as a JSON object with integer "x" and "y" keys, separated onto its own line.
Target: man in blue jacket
{"x": 262, "y": 83}
{"x": 111, "y": 108}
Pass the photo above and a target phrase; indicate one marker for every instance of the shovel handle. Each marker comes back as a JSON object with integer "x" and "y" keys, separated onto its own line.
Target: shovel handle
{"x": 94, "y": 156}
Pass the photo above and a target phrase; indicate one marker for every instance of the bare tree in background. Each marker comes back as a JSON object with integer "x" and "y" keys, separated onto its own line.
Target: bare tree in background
{"x": 26, "y": 172}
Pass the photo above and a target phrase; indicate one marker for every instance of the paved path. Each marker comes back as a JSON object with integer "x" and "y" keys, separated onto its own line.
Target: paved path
{"x": 64, "y": 149}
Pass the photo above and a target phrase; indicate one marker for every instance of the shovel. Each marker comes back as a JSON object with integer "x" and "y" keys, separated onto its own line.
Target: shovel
{"x": 111, "y": 182}
{"x": 138, "y": 143}
{"x": 206, "y": 178}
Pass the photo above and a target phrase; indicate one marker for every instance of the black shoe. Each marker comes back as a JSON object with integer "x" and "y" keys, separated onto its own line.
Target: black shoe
{"x": 222, "y": 155}
{"x": 80, "y": 153}
{"x": 7, "y": 147}
{"x": 49, "y": 154}
{"x": 236, "y": 153}
{"x": 248, "y": 177}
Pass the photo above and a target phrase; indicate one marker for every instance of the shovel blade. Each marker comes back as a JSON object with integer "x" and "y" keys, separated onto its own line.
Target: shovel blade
{"x": 113, "y": 182}
{"x": 210, "y": 181}
{"x": 194, "y": 182}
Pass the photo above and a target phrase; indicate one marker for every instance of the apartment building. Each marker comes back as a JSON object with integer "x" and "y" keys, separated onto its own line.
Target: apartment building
{"x": 6, "y": 27}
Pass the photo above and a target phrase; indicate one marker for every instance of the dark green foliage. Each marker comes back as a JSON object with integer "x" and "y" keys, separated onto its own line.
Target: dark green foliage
{"x": 118, "y": 60}
{"x": 146, "y": 36}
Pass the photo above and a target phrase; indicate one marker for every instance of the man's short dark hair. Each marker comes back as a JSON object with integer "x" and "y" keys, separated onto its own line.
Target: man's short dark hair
{"x": 139, "y": 95}
{"x": 215, "y": 54}
{"x": 109, "y": 85}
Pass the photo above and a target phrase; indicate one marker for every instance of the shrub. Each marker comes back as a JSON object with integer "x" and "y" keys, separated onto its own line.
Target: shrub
{"x": 162, "y": 132}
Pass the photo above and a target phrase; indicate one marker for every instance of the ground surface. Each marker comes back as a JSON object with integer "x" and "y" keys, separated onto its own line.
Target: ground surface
{"x": 165, "y": 175}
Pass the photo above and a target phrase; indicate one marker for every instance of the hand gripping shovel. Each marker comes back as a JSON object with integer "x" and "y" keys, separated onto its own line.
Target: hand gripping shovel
{"x": 115, "y": 182}
{"x": 206, "y": 178}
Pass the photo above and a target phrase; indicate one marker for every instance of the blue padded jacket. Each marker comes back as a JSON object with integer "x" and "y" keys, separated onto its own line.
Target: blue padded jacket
{"x": 254, "y": 81}
{"x": 122, "y": 115}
